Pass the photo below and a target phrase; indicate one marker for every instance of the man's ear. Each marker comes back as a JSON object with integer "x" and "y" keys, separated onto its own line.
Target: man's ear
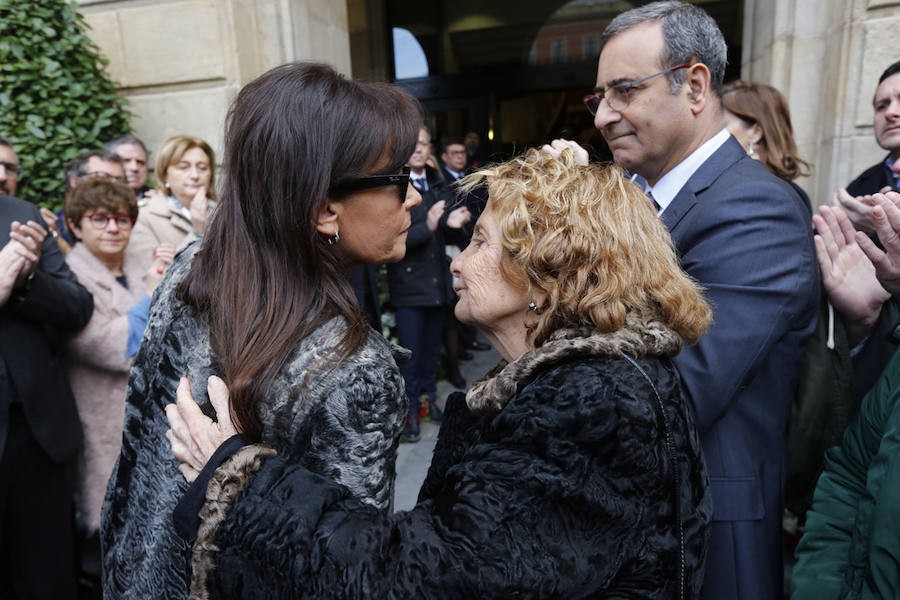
{"x": 698, "y": 85}
{"x": 76, "y": 231}
{"x": 328, "y": 222}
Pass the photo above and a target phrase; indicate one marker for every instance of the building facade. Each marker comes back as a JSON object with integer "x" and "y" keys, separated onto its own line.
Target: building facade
{"x": 512, "y": 70}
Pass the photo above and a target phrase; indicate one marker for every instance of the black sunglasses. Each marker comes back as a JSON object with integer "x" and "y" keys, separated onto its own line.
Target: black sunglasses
{"x": 400, "y": 180}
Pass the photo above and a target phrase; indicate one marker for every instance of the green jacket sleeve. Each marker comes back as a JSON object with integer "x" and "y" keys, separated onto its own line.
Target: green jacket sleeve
{"x": 846, "y": 551}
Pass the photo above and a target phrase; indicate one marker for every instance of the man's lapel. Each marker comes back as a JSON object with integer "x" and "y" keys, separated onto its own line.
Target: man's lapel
{"x": 728, "y": 153}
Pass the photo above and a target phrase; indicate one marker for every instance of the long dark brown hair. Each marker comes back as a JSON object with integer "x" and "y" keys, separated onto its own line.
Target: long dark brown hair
{"x": 265, "y": 278}
{"x": 758, "y": 103}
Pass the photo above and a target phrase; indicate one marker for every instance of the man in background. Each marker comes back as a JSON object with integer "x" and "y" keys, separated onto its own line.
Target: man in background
{"x": 40, "y": 302}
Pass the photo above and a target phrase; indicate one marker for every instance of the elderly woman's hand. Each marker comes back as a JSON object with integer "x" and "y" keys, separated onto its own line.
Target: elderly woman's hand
{"x": 194, "y": 436}
{"x": 556, "y": 147}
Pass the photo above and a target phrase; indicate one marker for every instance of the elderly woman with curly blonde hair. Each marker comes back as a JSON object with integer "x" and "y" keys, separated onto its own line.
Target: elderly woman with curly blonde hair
{"x": 571, "y": 470}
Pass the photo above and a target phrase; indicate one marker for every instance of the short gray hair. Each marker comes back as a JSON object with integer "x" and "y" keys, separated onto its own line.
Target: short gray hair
{"x": 689, "y": 34}
{"x": 4, "y": 141}
{"x": 128, "y": 138}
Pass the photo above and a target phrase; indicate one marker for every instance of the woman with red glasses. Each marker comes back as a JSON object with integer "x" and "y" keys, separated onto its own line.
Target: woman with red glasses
{"x": 100, "y": 214}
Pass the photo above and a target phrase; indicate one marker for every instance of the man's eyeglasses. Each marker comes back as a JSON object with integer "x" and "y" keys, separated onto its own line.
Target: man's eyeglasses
{"x": 11, "y": 167}
{"x": 618, "y": 96}
{"x": 401, "y": 180}
{"x": 101, "y": 220}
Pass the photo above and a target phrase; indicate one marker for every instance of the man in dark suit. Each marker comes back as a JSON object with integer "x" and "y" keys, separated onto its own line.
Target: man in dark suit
{"x": 875, "y": 341}
{"x": 744, "y": 235}
{"x": 39, "y": 427}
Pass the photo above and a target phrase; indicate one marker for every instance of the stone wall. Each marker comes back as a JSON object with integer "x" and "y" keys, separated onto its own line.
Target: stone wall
{"x": 181, "y": 62}
{"x": 825, "y": 56}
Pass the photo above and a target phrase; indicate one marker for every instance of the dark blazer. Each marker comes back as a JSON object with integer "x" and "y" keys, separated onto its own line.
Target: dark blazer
{"x": 744, "y": 235}
{"x": 422, "y": 278}
{"x": 871, "y": 180}
{"x": 32, "y": 323}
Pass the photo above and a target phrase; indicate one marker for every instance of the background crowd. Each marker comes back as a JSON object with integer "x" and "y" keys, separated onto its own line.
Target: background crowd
{"x": 799, "y": 361}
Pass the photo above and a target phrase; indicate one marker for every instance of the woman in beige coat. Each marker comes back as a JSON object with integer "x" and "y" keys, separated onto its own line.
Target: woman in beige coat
{"x": 100, "y": 214}
{"x": 180, "y": 208}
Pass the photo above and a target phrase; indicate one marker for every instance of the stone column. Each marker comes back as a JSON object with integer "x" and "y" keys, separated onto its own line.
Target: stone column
{"x": 825, "y": 56}
{"x": 180, "y": 63}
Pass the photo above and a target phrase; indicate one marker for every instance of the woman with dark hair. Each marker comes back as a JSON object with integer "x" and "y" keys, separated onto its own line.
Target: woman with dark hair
{"x": 313, "y": 187}
{"x": 757, "y": 115}
{"x": 571, "y": 470}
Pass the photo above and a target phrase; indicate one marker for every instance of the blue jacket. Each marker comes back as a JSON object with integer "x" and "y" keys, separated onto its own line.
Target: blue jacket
{"x": 744, "y": 235}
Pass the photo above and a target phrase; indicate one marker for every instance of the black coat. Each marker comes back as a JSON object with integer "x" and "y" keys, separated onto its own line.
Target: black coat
{"x": 33, "y": 323}
{"x": 566, "y": 491}
{"x": 872, "y": 180}
{"x": 422, "y": 278}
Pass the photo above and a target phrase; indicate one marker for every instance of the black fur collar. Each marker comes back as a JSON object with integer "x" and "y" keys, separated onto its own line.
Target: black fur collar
{"x": 490, "y": 394}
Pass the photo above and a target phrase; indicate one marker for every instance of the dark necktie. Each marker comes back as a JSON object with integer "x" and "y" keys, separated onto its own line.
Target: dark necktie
{"x": 653, "y": 200}
{"x": 420, "y": 183}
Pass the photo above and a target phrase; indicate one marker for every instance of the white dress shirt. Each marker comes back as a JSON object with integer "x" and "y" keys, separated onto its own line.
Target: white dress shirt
{"x": 671, "y": 183}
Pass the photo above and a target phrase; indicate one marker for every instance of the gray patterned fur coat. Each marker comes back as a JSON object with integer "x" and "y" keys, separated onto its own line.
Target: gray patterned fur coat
{"x": 342, "y": 424}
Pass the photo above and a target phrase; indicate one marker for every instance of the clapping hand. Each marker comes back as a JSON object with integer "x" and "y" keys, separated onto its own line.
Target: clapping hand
{"x": 12, "y": 260}
{"x": 886, "y": 222}
{"x": 194, "y": 437}
{"x": 30, "y": 235}
{"x": 859, "y": 208}
{"x": 434, "y": 215}
{"x": 458, "y": 217}
{"x": 847, "y": 273}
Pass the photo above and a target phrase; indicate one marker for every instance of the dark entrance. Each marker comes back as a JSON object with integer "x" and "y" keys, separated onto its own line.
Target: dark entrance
{"x": 513, "y": 71}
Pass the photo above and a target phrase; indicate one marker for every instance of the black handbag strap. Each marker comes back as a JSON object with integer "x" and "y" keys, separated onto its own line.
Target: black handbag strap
{"x": 673, "y": 456}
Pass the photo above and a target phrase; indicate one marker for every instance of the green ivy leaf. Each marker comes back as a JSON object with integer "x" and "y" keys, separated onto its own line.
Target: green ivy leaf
{"x": 56, "y": 100}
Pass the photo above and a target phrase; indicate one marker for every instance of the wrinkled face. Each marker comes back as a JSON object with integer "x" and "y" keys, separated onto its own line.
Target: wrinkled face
{"x": 373, "y": 224}
{"x": 423, "y": 146}
{"x": 9, "y": 178}
{"x": 108, "y": 241}
{"x": 645, "y": 135}
{"x": 486, "y": 299}
{"x": 887, "y": 114}
{"x": 187, "y": 175}
{"x": 135, "y": 160}
{"x": 455, "y": 157}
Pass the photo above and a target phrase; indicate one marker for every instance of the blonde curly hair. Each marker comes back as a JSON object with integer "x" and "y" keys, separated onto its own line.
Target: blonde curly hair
{"x": 591, "y": 241}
